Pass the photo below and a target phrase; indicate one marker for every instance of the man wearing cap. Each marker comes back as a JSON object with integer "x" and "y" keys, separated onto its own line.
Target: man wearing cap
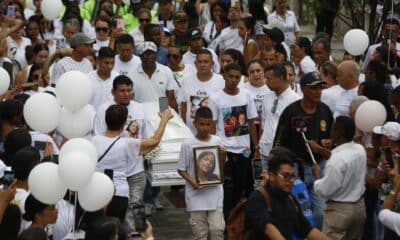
{"x": 179, "y": 34}
{"x": 151, "y": 79}
{"x": 196, "y": 43}
{"x": 348, "y": 73}
{"x": 82, "y": 47}
{"x": 343, "y": 184}
{"x": 313, "y": 118}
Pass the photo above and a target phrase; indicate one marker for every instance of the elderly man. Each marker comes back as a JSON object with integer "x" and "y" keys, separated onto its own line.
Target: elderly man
{"x": 347, "y": 77}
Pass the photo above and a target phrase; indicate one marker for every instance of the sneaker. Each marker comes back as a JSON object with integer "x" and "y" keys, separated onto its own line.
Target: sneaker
{"x": 158, "y": 204}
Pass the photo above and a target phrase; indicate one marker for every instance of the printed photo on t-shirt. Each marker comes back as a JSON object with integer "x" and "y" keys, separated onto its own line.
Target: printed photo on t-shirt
{"x": 196, "y": 102}
{"x": 133, "y": 129}
{"x": 235, "y": 121}
{"x": 258, "y": 103}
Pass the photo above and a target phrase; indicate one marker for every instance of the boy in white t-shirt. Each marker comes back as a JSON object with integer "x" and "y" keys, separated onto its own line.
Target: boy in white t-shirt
{"x": 204, "y": 203}
{"x": 234, "y": 112}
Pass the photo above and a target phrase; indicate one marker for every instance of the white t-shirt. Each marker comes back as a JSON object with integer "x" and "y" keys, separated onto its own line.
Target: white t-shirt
{"x": 137, "y": 35}
{"x": 67, "y": 64}
{"x": 39, "y": 141}
{"x": 20, "y": 197}
{"x": 257, "y": 93}
{"x": 232, "y": 113}
{"x": 270, "y": 120}
{"x": 136, "y": 124}
{"x": 307, "y": 65}
{"x": 123, "y": 68}
{"x": 196, "y": 93}
{"x": 208, "y": 198}
{"x": 122, "y": 154}
{"x": 151, "y": 89}
{"x": 179, "y": 76}
{"x": 99, "y": 44}
{"x": 101, "y": 88}
{"x": 65, "y": 220}
{"x": 343, "y": 102}
{"x": 229, "y": 38}
{"x": 331, "y": 95}
{"x": 17, "y": 50}
{"x": 290, "y": 23}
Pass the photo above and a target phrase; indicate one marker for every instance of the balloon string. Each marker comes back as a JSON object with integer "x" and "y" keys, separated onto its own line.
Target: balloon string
{"x": 75, "y": 208}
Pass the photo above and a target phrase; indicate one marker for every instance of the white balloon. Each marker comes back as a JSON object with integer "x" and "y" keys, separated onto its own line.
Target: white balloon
{"x": 81, "y": 145}
{"x": 370, "y": 114}
{"x": 97, "y": 194}
{"x": 74, "y": 90}
{"x": 41, "y": 112}
{"x": 73, "y": 125}
{"x": 51, "y": 9}
{"x": 4, "y": 80}
{"x": 75, "y": 170}
{"x": 356, "y": 41}
{"x": 45, "y": 184}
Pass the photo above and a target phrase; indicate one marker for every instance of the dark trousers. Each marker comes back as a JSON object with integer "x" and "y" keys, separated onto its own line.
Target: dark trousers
{"x": 238, "y": 181}
{"x": 371, "y": 200}
{"x": 325, "y": 22}
{"x": 117, "y": 207}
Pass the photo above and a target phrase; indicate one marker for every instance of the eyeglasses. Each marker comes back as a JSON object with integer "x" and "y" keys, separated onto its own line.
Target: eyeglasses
{"x": 175, "y": 56}
{"x": 274, "y": 105}
{"x": 144, "y": 20}
{"x": 104, "y": 29}
{"x": 287, "y": 176}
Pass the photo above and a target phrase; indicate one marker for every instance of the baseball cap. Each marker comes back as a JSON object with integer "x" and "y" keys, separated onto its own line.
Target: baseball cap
{"x": 275, "y": 34}
{"x": 146, "y": 46}
{"x": 390, "y": 129}
{"x": 180, "y": 16}
{"x": 194, "y": 33}
{"x": 311, "y": 79}
{"x": 80, "y": 38}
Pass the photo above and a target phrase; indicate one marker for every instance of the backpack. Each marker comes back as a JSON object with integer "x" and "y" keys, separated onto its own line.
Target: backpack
{"x": 235, "y": 226}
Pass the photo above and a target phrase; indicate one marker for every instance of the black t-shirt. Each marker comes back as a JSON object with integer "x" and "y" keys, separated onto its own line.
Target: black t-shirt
{"x": 284, "y": 215}
{"x": 294, "y": 120}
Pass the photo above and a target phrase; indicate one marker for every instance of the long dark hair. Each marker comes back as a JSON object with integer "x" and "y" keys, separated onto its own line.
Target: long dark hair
{"x": 204, "y": 154}
{"x": 35, "y": 67}
{"x": 256, "y": 9}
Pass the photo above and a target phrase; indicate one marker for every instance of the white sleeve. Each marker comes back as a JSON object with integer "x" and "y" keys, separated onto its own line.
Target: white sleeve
{"x": 390, "y": 219}
{"x": 308, "y": 66}
{"x": 214, "y": 108}
{"x": 216, "y": 68}
{"x": 58, "y": 70}
{"x": 184, "y": 157}
{"x": 263, "y": 111}
{"x": 330, "y": 183}
{"x": 171, "y": 84}
{"x": 251, "y": 108}
{"x": 100, "y": 122}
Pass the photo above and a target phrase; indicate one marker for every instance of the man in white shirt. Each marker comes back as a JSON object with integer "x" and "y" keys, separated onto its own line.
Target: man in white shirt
{"x": 273, "y": 105}
{"x": 343, "y": 184}
{"x": 347, "y": 76}
{"x": 234, "y": 112}
{"x": 103, "y": 77}
{"x": 125, "y": 60}
{"x": 135, "y": 128}
{"x": 151, "y": 79}
{"x": 197, "y": 87}
{"x": 82, "y": 47}
{"x": 229, "y": 37}
{"x": 196, "y": 43}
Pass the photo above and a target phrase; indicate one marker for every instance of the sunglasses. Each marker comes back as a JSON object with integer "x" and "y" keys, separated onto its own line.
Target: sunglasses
{"x": 100, "y": 29}
{"x": 144, "y": 20}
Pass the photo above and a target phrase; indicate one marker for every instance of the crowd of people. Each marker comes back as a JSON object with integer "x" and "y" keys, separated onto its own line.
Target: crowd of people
{"x": 242, "y": 77}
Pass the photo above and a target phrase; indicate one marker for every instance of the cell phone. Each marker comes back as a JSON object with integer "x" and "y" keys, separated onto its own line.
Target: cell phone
{"x": 121, "y": 24}
{"x": 109, "y": 173}
{"x": 257, "y": 168}
{"x": 163, "y": 104}
{"x": 8, "y": 178}
{"x": 11, "y": 11}
{"x": 40, "y": 145}
{"x": 139, "y": 216}
{"x": 28, "y": 86}
{"x": 388, "y": 156}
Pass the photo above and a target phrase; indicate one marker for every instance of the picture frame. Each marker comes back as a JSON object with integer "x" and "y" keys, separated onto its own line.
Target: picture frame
{"x": 208, "y": 165}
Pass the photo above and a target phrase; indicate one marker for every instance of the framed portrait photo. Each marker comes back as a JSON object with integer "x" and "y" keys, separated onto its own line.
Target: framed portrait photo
{"x": 208, "y": 165}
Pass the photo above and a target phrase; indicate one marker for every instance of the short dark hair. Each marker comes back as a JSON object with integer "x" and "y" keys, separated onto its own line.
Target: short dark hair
{"x": 102, "y": 228}
{"x": 258, "y": 61}
{"x": 326, "y": 43}
{"x": 32, "y": 207}
{"x": 203, "y": 112}
{"x": 380, "y": 69}
{"x": 125, "y": 39}
{"x": 237, "y": 57}
{"x": 17, "y": 139}
{"x": 391, "y": 21}
{"x": 278, "y": 69}
{"x": 205, "y": 51}
{"x": 232, "y": 66}
{"x": 345, "y": 127}
{"x": 106, "y": 52}
{"x": 116, "y": 116}
{"x": 305, "y": 43}
{"x": 24, "y": 161}
{"x": 121, "y": 80}
{"x": 11, "y": 111}
{"x": 147, "y": 30}
{"x": 280, "y": 157}
{"x": 40, "y": 47}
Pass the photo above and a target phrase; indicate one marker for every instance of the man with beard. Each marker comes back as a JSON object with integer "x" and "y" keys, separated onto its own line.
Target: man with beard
{"x": 196, "y": 43}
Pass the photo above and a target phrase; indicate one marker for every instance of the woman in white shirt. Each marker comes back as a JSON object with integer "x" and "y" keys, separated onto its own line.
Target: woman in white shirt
{"x": 211, "y": 30}
{"x": 116, "y": 153}
{"x": 288, "y": 18}
{"x": 250, "y": 47}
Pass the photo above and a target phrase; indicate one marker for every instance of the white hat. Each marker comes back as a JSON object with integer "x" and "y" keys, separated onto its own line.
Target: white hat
{"x": 274, "y": 24}
{"x": 146, "y": 46}
{"x": 390, "y": 129}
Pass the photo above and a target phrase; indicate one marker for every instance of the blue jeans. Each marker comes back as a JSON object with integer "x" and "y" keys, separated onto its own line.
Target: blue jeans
{"x": 317, "y": 202}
